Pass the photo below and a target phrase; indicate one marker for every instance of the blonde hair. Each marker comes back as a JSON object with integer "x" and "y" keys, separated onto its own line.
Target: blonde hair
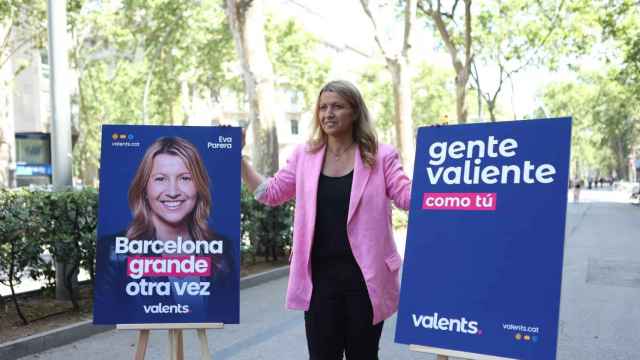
{"x": 141, "y": 227}
{"x": 363, "y": 133}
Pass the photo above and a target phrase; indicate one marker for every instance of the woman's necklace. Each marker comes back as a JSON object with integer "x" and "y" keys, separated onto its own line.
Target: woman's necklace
{"x": 338, "y": 154}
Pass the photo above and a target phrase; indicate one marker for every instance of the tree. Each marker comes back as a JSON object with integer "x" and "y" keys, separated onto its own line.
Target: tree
{"x": 514, "y": 35}
{"x": 137, "y": 64}
{"x": 458, "y": 43}
{"x": 431, "y": 96}
{"x": 22, "y": 25}
{"x": 399, "y": 66}
{"x": 185, "y": 46}
{"x": 295, "y": 65}
{"x": 103, "y": 55}
{"x": 246, "y": 21}
{"x": 606, "y": 121}
{"x": 620, "y": 21}
{"x": 22, "y": 28}
{"x": 430, "y": 106}
{"x": 560, "y": 99}
{"x": 617, "y": 117}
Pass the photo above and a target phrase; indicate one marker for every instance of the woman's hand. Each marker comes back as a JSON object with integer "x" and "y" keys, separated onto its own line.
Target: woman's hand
{"x": 250, "y": 176}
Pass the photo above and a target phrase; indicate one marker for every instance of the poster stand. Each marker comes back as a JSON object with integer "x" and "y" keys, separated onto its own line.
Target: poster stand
{"x": 176, "y": 347}
{"x": 444, "y": 354}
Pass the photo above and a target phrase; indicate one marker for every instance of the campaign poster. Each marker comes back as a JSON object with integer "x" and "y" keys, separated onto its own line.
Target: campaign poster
{"x": 485, "y": 240}
{"x": 168, "y": 247}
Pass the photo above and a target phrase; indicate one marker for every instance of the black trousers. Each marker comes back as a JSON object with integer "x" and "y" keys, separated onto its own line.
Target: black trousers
{"x": 339, "y": 319}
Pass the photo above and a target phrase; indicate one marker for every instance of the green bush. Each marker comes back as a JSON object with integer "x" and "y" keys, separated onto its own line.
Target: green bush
{"x": 265, "y": 231}
{"x": 68, "y": 226}
{"x": 62, "y": 223}
{"x": 19, "y": 246}
{"x": 400, "y": 219}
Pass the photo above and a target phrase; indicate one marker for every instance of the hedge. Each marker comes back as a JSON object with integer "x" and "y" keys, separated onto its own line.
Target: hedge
{"x": 63, "y": 224}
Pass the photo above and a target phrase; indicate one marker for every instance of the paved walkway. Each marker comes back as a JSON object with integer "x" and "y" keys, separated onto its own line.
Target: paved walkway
{"x": 599, "y": 317}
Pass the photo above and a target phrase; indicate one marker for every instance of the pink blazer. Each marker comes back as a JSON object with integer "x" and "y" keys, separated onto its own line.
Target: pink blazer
{"x": 368, "y": 225}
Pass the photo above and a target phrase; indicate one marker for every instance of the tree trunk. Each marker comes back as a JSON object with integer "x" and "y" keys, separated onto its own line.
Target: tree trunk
{"x": 3, "y": 305}
{"x": 462, "y": 67}
{"x": 15, "y": 303}
{"x": 71, "y": 285}
{"x": 246, "y": 21}
{"x": 84, "y": 168}
{"x": 403, "y": 110}
{"x": 461, "y": 97}
{"x": 400, "y": 69}
{"x": 145, "y": 97}
{"x": 491, "y": 106}
{"x": 462, "y": 76}
{"x": 621, "y": 163}
{"x": 7, "y": 129}
{"x": 11, "y": 282}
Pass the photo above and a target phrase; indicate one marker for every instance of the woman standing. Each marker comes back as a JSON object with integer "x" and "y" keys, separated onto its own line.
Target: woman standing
{"x": 344, "y": 265}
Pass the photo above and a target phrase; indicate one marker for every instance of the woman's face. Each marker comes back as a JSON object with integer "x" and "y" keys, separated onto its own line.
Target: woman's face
{"x": 335, "y": 114}
{"x": 171, "y": 191}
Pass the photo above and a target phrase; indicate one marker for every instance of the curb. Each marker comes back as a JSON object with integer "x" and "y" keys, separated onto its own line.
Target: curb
{"x": 54, "y": 338}
{"x": 263, "y": 277}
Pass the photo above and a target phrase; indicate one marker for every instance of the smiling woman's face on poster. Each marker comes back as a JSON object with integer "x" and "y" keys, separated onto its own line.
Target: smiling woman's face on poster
{"x": 169, "y": 196}
{"x": 171, "y": 192}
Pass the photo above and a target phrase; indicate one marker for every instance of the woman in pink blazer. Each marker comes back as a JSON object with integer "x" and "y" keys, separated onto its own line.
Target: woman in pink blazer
{"x": 344, "y": 264}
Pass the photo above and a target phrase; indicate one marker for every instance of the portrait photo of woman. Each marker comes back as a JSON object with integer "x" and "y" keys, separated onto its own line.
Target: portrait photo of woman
{"x": 170, "y": 199}
{"x": 169, "y": 196}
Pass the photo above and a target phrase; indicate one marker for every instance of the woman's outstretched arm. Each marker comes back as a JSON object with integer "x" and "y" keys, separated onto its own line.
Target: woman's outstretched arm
{"x": 250, "y": 176}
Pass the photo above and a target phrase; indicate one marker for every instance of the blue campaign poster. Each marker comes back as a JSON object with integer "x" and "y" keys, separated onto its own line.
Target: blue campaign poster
{"x": 168, "y": 248}
{"x": 483, "y": 259}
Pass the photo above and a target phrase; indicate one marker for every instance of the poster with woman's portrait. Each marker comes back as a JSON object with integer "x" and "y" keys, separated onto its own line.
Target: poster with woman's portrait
{"x": 168, "y": 248}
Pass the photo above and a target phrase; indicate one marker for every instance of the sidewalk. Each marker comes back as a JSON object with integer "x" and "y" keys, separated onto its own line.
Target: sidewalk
{"x": 599, "y": 310}
{"x": 266, "y": 331}
{"x": 55, "y": 338}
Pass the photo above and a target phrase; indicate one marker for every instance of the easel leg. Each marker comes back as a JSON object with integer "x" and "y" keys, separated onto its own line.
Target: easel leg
{"x": 172, "y": 345}
{"x": 176, "y": 348}
{"x": 179, "y": 345}
{"x": 204, "y": 345}
{"x": 143, "y": 340}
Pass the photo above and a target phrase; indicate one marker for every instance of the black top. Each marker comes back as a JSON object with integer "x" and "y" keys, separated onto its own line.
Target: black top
{"x": 330, "y": 241}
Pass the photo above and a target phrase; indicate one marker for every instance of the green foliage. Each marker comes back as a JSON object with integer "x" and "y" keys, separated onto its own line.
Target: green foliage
{"x": 620, "y": 21}
{"x": 34, "y": 222}
{"x": 519, "y": 33}
{"x": 63, "y": 224}
{"x": 399, "y": 219}
{"x": 265, "y": 231}
{"x": 19, "y": 246}
{"x": 606, "y": 121}
{"x": 184, "y": 42}
{"x": 513, "y": 35}
{"x": 247, "y": 228}
{"x": 144, "y": 61}
{"x": 571, "y": 99}
{"x": 432, "y": 97}
{"x": 290, "y": 49}
{"x": 68, "y": 231}
{"x": 377, "y": 90}
{"x": 23, "y": 25}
